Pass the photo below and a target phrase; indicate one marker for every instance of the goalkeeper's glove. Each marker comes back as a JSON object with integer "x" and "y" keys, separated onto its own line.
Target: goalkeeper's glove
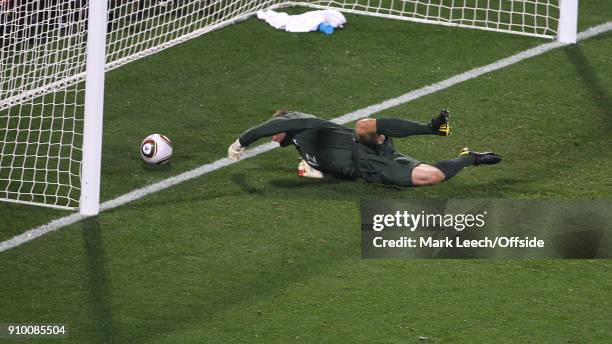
{"x": 305, "y": 170}
{"x": 235, "y": 150}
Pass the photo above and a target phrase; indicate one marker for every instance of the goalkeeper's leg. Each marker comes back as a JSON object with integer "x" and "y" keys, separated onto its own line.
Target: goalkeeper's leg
{"x": 373, "y": 131}
{"x": 423, "y": 174}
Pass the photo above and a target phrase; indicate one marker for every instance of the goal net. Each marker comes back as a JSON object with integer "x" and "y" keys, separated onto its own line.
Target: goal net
{"x": 43, "y": 57}
{"x": 528, "y": 17}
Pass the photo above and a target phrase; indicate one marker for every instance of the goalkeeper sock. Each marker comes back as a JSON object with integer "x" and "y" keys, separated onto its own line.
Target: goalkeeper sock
{"x": 401, "y": 128}
{"x": 453, "y": 166}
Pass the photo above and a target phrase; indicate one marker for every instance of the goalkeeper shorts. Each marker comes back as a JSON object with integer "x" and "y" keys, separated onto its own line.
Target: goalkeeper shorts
{"x": 384, "y": 165}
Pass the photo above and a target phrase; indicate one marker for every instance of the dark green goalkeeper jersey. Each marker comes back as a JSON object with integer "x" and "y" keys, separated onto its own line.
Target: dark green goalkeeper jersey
{"x": 324, "y": 145}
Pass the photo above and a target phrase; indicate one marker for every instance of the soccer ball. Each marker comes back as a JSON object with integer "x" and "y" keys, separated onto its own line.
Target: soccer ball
{"x": 156, "y": 149}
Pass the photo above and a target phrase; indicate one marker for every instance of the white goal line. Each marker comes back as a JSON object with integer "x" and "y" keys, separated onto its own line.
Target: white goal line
{"x": 350, "y": 117}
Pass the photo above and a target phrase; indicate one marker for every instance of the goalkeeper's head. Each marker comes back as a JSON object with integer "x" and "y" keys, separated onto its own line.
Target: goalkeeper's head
{"x": 282, "y": 138}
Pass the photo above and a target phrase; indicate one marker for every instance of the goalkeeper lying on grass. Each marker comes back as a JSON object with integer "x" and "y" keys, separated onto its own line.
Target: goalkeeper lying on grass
{"x": 366, "y": 152}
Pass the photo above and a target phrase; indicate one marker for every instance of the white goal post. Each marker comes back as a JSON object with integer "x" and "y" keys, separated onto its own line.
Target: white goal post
{"x": 54, "y": 54}
{"x": 94, "y": 108}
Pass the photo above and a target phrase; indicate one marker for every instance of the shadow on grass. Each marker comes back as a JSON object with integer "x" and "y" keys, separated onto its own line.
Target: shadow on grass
{"x": 300, "y": 183}
{"x": 588, "y": 75}
{"x": 99, "y": 294}
{"x": 239, "y": 285}
{"x": 240, "y": 180}
{"x": 581, "y": 234}
{"x": 362, "y": 189}
{"x": 338, "y": 189}
{"x": 157, "y": 168}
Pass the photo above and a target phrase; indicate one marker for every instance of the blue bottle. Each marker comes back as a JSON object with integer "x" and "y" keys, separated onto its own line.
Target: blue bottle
{"x": 326, "y": 28}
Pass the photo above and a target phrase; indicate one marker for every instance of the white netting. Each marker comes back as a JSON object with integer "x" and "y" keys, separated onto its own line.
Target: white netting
{"x": 42, "y": 44}
{"x": 42, "y": 63}
{"x": 43, "y": 59}
{"x": 529, "y": 17}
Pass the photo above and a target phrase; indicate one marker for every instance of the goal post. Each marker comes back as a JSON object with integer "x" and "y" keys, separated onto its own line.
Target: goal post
{"x": 54, "y": 54}
{"x": 568, "y": 21}
{"x": 94, "y": 108}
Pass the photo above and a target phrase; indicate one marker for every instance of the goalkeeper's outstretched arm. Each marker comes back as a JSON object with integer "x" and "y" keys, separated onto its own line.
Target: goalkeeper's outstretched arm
{"x": 274, "y": 126}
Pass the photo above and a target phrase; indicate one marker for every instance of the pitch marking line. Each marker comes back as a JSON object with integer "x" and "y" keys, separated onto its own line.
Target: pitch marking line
{"x": 350, "y": 117}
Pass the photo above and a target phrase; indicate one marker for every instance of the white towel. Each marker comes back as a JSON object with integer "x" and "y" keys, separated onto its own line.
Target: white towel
{"x": 305, "y": 22}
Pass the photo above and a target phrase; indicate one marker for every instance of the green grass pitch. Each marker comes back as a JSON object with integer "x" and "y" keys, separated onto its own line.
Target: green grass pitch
{"x": 251, "y": 253}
